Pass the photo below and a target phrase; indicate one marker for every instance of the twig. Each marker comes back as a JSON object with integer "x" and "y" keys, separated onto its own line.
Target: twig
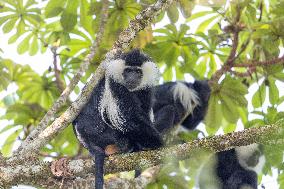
{"x": 235, "y": 41}
{"x": 261, "y": 63}
{"x": 235, "y": 28}
{"x": 241, "y": 74}
{"x": 58, "y": 80}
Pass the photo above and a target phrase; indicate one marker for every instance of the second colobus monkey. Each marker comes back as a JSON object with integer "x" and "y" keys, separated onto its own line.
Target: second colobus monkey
{"x": 233, "y": 169}
{"x": 180, "y": 103}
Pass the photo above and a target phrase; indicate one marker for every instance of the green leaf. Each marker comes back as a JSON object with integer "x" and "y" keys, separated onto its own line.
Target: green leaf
{"x": 168, "y": 74}
{"x": 173, "y": 14}
{"x": 259, "y": 97}
{"x": 34, "y": 46}
{"x": 214, "y": 116}
{"x": 9, "y": 25}
{"x": 9, "y": 143}
{"x": 86, "y": 20}
{"x": 234, "y": 85}
{"x": 280, "y": 180}
{"x": 24, "y": 45}
{"x": 69, "y": 17}
{"x": 6, "y": 128}
{"x": 9, "y": 100}
{"x": 205, "y": 25}
{"x": 186, "y": 7}
{"x": 30, "y": 3}
{"x": 13, "y": 38}
{"x": 229, "y": 109}
{"x": 21, "y": 28}
{"x": 273, "y": 92}
{"x": 54, "y": 7}
{"x": 229, "y": 127}
{"x": 198, "y": 15}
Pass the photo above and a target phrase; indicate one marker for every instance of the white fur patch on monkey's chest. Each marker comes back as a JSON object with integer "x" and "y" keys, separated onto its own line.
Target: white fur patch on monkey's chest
{"x": 109, "y": 106}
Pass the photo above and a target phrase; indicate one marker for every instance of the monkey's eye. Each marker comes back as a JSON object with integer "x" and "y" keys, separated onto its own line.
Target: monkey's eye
{"x": 133, "y": 70}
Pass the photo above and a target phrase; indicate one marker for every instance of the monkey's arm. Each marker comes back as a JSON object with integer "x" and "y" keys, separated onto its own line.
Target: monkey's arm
{"x": 164, "y": 118}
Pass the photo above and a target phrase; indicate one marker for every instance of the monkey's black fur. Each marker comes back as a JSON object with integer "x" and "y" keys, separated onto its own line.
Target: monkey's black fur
{"x": 233, "y": 169}
{"x": 171, "y": 107}
{"x": 232, "y": 174}
{"x": 118, "y": 111}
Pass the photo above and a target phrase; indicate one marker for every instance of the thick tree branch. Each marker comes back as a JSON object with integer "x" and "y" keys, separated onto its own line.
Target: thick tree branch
{"x": 30, "y": 172}
{"x": 83, "y": 67}
{"x": 139, "y": 23}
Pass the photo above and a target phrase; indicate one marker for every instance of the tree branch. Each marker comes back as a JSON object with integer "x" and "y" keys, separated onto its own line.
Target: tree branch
{"x": 36, "y": 172}
{"x": 139, "y": 23}
{"x": 261, "y": 63}
{"x": 248, "y": 64}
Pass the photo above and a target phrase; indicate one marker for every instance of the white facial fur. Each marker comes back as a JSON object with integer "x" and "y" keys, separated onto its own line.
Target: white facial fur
{"x": 245, "y": 152}
{"x": 109, "y": 105}
{"x": 150, "y": 75}
{"x": 186, "y": 95}
{"x": 115, "y": 68}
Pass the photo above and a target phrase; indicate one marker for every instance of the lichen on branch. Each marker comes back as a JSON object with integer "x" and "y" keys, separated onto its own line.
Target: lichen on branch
{"x": 36, "y": 172}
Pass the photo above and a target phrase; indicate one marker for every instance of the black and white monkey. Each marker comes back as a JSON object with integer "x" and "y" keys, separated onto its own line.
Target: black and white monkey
{"x": 180, "y": 102}
{"x": 119, "y": 111}
{"x": 233, "y": 169}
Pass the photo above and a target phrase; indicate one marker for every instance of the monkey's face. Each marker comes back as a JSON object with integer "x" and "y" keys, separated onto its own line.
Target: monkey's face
{"x": 134, "y": 70}
{"x": 132, "y": 77}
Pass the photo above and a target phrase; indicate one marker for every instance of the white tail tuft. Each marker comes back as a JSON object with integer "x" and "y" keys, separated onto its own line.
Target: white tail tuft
{"x": 187, "y": 96}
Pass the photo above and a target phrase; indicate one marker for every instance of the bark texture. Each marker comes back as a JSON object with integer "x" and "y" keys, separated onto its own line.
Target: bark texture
{"x": 37, "y": 172}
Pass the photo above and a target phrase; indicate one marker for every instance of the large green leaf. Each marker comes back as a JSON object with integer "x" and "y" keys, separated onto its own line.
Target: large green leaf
{"x": 54, "y": 7}
{"x": 24, "y": 45}
{"x": 173, "y": 14}
{"x": 186, "y": 7}
{"x": 7, "y": 147}
{"x": 214, "y": 115}
{"x": 86, "y": 19}
{"x": 68, "y": 19}
{"x": 229, "y": 109}
{"x": 273, "y": 92}
{"x": 8, "y": 26}
{"x": 259, "y": 97}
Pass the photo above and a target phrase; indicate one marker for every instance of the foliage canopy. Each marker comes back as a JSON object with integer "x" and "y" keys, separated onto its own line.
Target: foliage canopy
{"x": 197, "y": 41}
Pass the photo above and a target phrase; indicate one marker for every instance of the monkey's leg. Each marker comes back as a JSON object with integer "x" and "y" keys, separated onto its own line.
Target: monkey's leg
{"x": 98, "y": 154}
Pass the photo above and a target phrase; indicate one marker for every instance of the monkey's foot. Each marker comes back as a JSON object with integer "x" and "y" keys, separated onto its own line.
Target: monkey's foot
{"x": 111, "y": 149}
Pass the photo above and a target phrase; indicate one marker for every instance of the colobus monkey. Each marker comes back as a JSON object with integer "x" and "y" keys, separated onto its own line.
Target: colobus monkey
{"x": 176, "y": 102}
{"x": 119, "y": 112}
{"x": 180, "y": 103}
{"x": 233, "y": 169}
